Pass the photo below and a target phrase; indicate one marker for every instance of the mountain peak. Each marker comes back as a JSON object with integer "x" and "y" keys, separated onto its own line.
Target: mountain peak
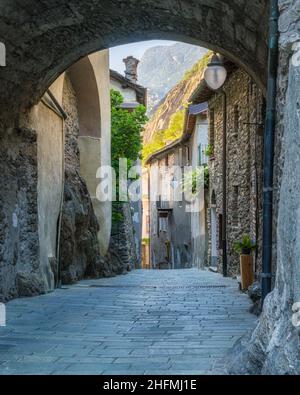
{"x": 163, "y": 66}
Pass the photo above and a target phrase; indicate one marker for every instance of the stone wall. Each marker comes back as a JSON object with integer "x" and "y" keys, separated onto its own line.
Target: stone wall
{"x": 122, "y": 236}
{"x": 274, "y": 347}
{"x": 59, "y": 33}
{"x": 79, "y": 247}
{"x": 19, "y": 244}
{"x": 244, "y": 164}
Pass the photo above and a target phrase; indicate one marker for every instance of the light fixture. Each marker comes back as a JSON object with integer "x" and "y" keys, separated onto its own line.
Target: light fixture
{"x": 215, "y": 74}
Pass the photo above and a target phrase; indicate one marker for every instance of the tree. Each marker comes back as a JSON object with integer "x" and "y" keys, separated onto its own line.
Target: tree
{"x": 126, "y": 131}
{"x": 126, "y": 138}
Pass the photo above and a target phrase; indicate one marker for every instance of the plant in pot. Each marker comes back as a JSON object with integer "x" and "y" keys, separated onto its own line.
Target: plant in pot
{"x": 245, "y": 247}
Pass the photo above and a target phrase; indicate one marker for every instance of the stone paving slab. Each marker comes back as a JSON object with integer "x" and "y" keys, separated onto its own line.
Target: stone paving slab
{"x": 147, "y": 322}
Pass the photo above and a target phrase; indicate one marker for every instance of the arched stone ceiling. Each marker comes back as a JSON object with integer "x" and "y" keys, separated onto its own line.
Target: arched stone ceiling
{"x": 44, "y": 37}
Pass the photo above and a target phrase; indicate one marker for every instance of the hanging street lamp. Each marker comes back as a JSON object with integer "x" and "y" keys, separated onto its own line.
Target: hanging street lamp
{"x": 215, "y": 74}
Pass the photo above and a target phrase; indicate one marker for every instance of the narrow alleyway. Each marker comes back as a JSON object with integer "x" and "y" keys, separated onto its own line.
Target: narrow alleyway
{"x": 148, "y": 322}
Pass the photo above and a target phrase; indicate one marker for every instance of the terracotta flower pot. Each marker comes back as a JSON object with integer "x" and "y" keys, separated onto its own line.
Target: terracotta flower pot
{"x": 247, "y": 271}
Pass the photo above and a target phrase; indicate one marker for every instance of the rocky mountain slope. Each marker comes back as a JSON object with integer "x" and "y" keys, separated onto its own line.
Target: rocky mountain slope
{"x": 162, "y": 67}
{"x": 166, "y": 124}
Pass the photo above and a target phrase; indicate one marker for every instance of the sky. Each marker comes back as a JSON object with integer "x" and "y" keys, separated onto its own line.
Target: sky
{"x": 117, "y": 54}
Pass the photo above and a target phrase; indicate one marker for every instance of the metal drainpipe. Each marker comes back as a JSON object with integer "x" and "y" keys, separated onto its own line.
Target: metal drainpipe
{"x": 269, "y": 150}
{"x": 224, "y": 172}
{"x": 59, "y": 222}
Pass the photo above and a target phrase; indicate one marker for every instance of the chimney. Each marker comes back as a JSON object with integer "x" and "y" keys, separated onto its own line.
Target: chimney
{"x": 131, "y": 64}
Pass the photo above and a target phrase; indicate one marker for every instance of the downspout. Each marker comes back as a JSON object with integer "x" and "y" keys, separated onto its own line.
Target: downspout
{"x": 269, "y": 150}
{"x": 224, "y": 176}
{"x": 59, "y": 221}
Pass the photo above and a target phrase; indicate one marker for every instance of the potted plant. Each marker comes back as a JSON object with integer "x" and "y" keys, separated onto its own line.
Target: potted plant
{"x": 245, "y": 247}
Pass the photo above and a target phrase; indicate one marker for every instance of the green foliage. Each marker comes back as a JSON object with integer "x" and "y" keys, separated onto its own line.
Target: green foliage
{"x": 126, "y": 130}
{"x": 192, "y": 181}
{"x": 206, "y": 177}
{"x": 198, "y": 67}
{"x": 209, "y": 150}
{"x": 117, "y": 215}
{"x": 146, "y": 241}
{"x": 172, "y": 133}
{"x": 176, "y": 125}
{"x": 126, "y": 133}
{"x": 156, "y": 144}
{"x": 245, "y": 246}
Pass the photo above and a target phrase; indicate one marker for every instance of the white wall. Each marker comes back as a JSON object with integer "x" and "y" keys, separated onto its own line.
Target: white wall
{"x": 128, "y": 93}
{"x": 100, "y": 62}
{"x": 198, "y": 218}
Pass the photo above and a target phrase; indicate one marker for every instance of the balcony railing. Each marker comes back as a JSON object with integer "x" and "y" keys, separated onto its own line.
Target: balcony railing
{"x": 164, "y": 205}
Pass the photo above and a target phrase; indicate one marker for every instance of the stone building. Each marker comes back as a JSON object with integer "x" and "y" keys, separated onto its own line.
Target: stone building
{"x": 245, "y": 110}
{"x": 178, "y": 230}
{"x": 170, "y": 219}
{"x": 127, "y": 234}
{"x": 196, "y": 134}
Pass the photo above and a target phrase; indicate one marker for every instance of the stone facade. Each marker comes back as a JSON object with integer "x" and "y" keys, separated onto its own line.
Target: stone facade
{"x": 274, "y": 346}
{"x": 245, "y": 117}
{"x": 123, "y": 237}
{"x": 61, "y": 33}
{"x": 19, "y": 244}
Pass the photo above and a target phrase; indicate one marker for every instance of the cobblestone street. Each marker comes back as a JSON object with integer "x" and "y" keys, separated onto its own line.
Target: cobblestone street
{"x": 148, "y": 322}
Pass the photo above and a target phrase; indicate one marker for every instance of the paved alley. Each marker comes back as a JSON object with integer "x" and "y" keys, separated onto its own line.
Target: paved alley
{"x": 147, "y": 322}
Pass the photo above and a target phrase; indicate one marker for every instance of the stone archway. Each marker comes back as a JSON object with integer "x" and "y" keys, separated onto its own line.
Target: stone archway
{"x": 53, "y": 35}
{"x": 90, "y": 80}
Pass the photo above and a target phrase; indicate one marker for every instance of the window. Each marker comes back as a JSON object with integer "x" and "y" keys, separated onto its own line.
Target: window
{"x": 187, "y": 156}
{"x": 202, "y": 158}
{"x": 163, "y": 224}
{"x": 199, "y": 155}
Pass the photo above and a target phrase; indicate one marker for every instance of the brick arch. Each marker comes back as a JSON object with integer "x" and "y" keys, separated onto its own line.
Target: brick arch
{"x": 51, "y": 36}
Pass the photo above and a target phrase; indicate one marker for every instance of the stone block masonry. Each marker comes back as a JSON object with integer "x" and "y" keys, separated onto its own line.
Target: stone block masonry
{"x": 19, "y": 244}
{"x": 245, "y": 118}
{"x": 123, "y": 236}
{"x": 274, "y": 347}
